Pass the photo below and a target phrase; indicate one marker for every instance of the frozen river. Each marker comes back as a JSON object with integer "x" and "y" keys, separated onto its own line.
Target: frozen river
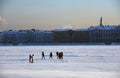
{"x": 78, "y": 62}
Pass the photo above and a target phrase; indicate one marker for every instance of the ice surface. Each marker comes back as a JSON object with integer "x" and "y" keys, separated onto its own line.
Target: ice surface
{"x": 78, "y": 62}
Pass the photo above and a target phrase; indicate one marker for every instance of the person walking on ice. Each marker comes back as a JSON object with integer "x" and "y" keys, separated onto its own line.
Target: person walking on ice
{"x": 60, "y": 55}
{"x": 50, "y": 55}
{"x": 57, "y": 54}
{"x": 43, "y": 56}
{"x": 31, "y": 58}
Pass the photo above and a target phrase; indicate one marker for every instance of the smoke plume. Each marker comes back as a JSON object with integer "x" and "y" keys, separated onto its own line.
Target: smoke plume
{"x": 2, "y": 21}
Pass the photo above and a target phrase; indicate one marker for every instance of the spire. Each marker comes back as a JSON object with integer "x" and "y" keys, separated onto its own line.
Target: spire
{"x": 101, "y": 22}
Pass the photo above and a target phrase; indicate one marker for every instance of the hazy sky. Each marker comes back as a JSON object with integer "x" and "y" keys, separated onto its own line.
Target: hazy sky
{"x": 54, "y": 14}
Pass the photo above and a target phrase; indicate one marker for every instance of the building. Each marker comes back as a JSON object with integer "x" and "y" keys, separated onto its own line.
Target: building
{"x": 95, "y": 34}
{"x": 1, "y": 37}
{"x": 9, "y": 37}
{"x": 80, "y": 36}
{"x": 38, "y": 36}
{"x": 104, "y": 34}
{"x": 49, "y": 37}
{"x": 71, "y": 36}
{"x": 21, "y": 37}
{"x": 62, "y": 36}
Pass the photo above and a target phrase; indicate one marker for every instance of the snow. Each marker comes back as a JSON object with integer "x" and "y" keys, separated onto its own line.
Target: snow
{"x": 78, "y": 62}
{"x": 59, "y": 74}
{"x": 105, "y": 27}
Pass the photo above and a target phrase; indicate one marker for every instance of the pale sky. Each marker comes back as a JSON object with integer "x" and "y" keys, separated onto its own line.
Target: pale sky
{"x": 56, "y": 14}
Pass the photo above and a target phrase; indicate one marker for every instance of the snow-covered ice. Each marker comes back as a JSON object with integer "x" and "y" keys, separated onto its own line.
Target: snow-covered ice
{"x": 78, "y": 62}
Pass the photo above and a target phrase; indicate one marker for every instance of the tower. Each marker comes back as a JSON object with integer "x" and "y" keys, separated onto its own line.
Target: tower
{"x": 101, "y": 24}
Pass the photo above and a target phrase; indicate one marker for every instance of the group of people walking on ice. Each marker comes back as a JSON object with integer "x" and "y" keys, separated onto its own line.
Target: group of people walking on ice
{"x": 58, "y": 54}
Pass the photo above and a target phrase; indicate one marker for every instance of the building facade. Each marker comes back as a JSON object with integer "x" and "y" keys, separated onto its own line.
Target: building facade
{"x": 94, "y": 34}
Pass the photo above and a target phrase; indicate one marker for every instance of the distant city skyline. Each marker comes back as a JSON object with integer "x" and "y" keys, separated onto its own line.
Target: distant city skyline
{"x": 57, "y": 14}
